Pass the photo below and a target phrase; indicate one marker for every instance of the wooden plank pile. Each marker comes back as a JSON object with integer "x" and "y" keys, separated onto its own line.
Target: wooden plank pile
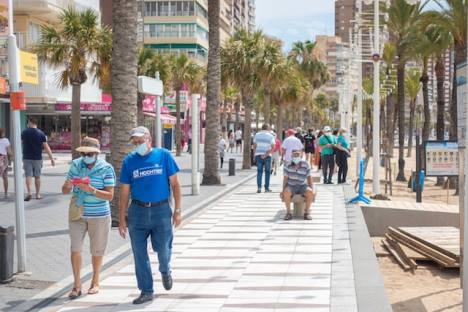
{"x": 438, "y": 244}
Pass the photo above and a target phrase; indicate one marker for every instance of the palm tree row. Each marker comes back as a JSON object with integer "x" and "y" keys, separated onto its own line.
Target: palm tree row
{"x": 423, "y": 37}
{"x": 264, "y": 75}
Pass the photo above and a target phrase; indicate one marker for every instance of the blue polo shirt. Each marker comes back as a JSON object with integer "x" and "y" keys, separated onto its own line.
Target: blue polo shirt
{"x": 343, "y": 142}
{"x": 148, "y": 175}
{"x": 33, "y": 139}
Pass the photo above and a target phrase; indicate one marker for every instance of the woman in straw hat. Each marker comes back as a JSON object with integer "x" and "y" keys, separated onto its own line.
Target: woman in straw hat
{"x": 95, "y": 219}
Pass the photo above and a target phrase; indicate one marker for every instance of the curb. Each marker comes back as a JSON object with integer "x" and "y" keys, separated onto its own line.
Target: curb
{"x": 115, "y": 260}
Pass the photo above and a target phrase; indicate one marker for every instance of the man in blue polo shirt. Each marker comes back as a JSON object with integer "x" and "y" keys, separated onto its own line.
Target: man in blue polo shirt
{"x": 264, "y": 145}
{"x": 146, "y": 177}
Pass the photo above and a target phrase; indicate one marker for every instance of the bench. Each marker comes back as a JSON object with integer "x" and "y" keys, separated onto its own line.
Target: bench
{"x": 299, "y": 202}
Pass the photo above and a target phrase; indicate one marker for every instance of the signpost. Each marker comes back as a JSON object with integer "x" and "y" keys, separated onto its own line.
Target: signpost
{"x": 195, "y": 144}
{"x": 153, "y": 86}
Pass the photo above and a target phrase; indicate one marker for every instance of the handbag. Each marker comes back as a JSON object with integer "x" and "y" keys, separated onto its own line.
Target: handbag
{"x": 334, "y": 148}
{"x": 75, "y": 212}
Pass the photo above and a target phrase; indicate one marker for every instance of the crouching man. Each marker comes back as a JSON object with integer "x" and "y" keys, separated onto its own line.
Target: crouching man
{"x": 297, "y": 180}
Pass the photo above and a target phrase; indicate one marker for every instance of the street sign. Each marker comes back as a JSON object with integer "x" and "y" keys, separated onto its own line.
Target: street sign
{"x": 29, "y": 69}
{"x": 148, "y": 85}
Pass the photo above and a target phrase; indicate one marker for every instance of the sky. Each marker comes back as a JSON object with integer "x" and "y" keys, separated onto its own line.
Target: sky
{"x": 298, "y": 20}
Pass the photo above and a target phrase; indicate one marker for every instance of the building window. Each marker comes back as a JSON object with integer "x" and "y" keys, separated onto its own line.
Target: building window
{"x": 175, "y": 31}
{"x": 175, "y": 8}
{"x": 34, "y": 31}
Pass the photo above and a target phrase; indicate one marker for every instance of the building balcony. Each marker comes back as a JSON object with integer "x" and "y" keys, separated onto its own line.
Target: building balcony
{"x": 252, "y": 4}
{"x": 176, "y": 34}
{"x": 176, "y": 13}
{"x": 49, "y": 10}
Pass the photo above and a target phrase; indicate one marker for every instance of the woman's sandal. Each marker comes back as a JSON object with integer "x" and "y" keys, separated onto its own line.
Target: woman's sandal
{"x": 307, "y": 216}
{"x": 94, "y": 289}
{"x": 75, "y": 293}
{"x": 288, "y": 217}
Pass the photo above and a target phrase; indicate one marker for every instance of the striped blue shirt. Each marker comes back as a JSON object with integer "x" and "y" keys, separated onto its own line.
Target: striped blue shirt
{"x": 297, "y": 176}
{"x": 94, "y": 207}
{"x": 264, "y": 142}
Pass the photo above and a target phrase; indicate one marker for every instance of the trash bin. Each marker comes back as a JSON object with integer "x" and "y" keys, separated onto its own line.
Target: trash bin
{"x": 421, "y": 181}
{"x": 108, "y": 157}
{"x": 232, "y": 167}
{"x": 7, "y": 239}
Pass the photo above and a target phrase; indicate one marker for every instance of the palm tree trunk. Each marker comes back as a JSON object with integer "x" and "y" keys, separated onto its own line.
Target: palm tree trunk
{"x": 124, "y": 85}
{"x": 225, "y": 118}
{"x": 237, "y": 107}
{"x": 286, "y": 117}
{"x": 76, "y": 120}
{"x": 140, "y": 116}
{"x": 440, "y": 127}
{"x": 401, "y": 121}
{"x": 257, "y": 116}
{"x": 299, "y": 116}
{"x": 390, "y": 124}
{"x": 292, "y": 120}
{"x": 427, "y": 117}
{"x": 266, "y": 116}
{"x": 411, "y": 128}
{"x": 211, "y": 172}
{"x": 279, "y": 120}
{"x": 248, "y": 104}
{"x": 178, "y": 125}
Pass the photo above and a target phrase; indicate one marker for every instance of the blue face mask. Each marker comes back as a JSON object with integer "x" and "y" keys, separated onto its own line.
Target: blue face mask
{"x": 88, "y": 160}
{"x": 296, "y": 160}
{"x": 141, "y": 150}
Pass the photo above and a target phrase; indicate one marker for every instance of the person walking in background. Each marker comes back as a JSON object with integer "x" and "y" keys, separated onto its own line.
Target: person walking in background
{"x": 275, "y": 155}
{"x": 290, "y": 143}
{"x": 309, "y": 144}
{"x": 189, "y": 140}
{"x": 318, "y": 152}
{"x": 182, "y": 140}
{"x": 342, "y": 154}
{"x": 298, "y": 135}
{"x": 33, "y": 141}
{"x": 327, "y": 142}
{"x": 264, "y": 145}
{"x": 146, "y": 177}
{"x": 231, "y": 141}
{"x": 222, "y": 148}
{"x": 238, "y": 137}
{"x": 5, "y": 151}
{"x": 96, "y": 219}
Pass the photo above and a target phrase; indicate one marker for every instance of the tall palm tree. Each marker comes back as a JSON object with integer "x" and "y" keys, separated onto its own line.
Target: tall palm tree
{"x": 412, "y": 88}
{"x": 124, "y": 86}
{"x": 240, "y": 65}
{"x": 183, "y": 71}
{"x": 270, "y": 64}
{"x": 79, "y": 47}
{"x": 388, "y": 57}
{"x": 403, "y": 23}
{"x": 213, "y": 97}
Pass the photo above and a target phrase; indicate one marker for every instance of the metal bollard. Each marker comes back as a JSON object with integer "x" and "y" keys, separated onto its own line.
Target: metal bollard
{"x": 107, "y": 157}
{"x": 7, "y": 239}
{"x": 232, "y": 167}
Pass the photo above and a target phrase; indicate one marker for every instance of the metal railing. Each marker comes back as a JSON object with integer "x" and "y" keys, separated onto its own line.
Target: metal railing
{"x": 175, "y": 13}
{"x": 175, "y": 34}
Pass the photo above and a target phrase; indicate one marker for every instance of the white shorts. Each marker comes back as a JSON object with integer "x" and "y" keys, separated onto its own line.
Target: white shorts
{"x": 275, "y": 157}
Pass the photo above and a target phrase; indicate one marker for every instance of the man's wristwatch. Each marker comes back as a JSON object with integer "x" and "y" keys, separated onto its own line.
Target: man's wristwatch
{"x": 178, "y": 210}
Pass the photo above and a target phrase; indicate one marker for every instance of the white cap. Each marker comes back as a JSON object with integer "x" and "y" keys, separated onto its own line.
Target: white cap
{"x": 327, "y": 129}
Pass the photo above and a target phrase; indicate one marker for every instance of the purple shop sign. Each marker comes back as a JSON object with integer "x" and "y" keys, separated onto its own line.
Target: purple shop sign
{"x": 85, "y": 107}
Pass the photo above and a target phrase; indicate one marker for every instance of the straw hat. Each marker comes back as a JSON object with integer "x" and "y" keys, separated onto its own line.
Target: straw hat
{"x": 89, "y": 145}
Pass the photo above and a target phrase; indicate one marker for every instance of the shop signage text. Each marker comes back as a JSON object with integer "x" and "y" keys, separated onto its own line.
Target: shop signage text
{"x": 29, "y": 69}
{"x": 85, "y": 107}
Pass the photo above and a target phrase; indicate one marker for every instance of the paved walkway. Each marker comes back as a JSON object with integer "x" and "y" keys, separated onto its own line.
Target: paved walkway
{"x": 47, "y": 236}
{"x": 241, "y": 256}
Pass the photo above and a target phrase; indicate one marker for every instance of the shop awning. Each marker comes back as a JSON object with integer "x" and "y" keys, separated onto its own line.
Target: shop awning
{"x": 166, "y": 119}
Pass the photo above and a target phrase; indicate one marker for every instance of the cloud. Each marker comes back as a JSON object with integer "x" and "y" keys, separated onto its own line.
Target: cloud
{"x": 281, "y": 9}
{"x": 293, "y": 31}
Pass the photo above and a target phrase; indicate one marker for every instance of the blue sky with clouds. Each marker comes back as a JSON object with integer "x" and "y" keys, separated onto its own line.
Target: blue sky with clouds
{"x": 294, "y": 20}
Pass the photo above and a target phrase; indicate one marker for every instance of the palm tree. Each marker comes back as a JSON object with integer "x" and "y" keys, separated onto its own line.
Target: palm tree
{"x": 412, "y": 87}
{"x": 270, "y": 64}
{"x": 78, "y": 47}
{"x": 183, "y": 71}
{"x": 388, "y": 57}
{"x": 213, "y": 97}
{"x": 124, "y": 86}
{"x": 403, "y": 23}
{"x": 240, "y": 66}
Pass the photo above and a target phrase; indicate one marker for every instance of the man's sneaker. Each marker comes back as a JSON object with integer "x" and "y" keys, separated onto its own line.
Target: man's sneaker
{"x": 167, "y": 281}
{"x": 142, "y": 299}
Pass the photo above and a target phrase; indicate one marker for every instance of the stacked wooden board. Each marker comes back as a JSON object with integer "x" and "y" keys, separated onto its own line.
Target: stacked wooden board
{"x": 438, "y": 244}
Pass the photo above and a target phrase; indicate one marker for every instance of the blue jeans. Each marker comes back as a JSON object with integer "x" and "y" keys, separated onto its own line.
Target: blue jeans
{"x": 144, "y": 222}
{"x": 263, "y": 163}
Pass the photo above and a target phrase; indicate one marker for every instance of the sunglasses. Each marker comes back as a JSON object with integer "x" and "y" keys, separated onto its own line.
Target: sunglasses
{"x": 87, "y": 154}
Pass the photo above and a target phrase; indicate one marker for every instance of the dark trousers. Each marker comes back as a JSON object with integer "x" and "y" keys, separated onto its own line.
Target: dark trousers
{"x": 342, "y": 162}
{"x": 328, "y": 165}
{"x": 189, "y": 146}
